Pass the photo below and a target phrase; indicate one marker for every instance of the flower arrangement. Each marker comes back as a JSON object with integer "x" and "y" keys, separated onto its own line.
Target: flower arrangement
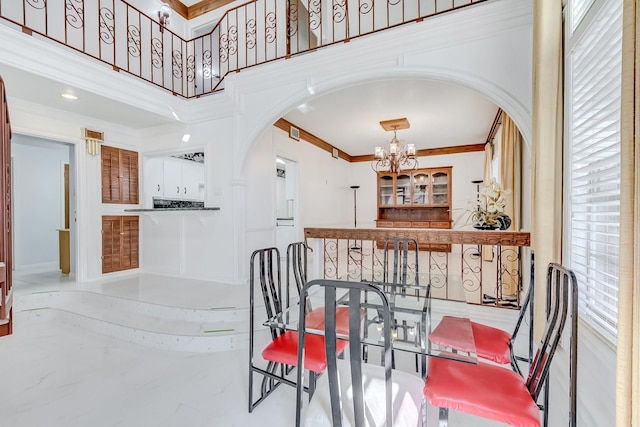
{"x": 488, "y": 210}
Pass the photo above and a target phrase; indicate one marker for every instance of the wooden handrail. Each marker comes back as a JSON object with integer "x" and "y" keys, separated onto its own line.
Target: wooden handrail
{"x": 425, "y": 236}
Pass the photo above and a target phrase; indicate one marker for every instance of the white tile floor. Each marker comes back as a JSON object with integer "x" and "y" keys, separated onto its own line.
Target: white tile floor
{"x": 57, "y": 375}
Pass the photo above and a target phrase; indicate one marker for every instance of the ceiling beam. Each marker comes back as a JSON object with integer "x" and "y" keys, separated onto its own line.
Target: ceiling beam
{"x": 454, "y": 149}
{"x": 198, "y": 9}
{"x": 312, "y": 139}
{"x": 205, "y": 6}
{"x": 320, "y": 143}
{"x": 179, "y": 7}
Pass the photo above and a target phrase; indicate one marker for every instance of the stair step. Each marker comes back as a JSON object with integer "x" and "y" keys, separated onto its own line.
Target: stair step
{"x": 158, "y": 326}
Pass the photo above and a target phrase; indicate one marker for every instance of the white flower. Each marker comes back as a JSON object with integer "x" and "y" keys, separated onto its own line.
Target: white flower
{"x": 490, "y": 204}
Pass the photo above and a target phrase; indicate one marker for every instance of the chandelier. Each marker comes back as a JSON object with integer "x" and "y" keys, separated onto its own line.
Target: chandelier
{"x": 397, "y": 157}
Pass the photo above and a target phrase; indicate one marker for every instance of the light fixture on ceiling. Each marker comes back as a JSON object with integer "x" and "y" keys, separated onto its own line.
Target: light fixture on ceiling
{"x": 186, "y": 137}
{"x": 397, "y": 157}
{"x": 163, "y": 16}
{"x": 69, "y": 96}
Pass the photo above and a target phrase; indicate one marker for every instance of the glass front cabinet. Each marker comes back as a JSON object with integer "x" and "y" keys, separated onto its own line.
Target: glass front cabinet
{"x": 415, "y": 199}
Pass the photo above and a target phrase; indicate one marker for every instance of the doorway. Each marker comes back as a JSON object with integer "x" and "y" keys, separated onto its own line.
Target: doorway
{"x": 43, "y": 187}
{"x": 287, "y": 204}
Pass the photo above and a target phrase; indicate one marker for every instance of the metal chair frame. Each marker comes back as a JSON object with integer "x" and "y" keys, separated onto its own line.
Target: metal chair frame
{"x": 268, "y": 264}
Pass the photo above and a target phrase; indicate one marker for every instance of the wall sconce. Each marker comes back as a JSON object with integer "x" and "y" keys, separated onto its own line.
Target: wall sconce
{"x": 163, "y": 16}
{"x": 94, "y": 139}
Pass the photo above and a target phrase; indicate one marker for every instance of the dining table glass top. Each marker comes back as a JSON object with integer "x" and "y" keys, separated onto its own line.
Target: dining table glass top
{"x": 415, "y": 316}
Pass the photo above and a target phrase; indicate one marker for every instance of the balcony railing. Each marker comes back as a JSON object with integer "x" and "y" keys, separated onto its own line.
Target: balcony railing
{"x": 118, "y": 34}
{"x": 479, "y": 267}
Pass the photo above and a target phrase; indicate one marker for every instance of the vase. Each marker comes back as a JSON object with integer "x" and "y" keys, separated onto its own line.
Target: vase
{"x": 485, "y": 226}
{"x": 504, "y": 222}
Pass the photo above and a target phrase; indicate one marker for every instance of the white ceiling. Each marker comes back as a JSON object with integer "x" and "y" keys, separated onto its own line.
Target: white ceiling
{"x": 190, "y": 2}
{"x": 440, "y": 115}
{"x": 40, "y": 90}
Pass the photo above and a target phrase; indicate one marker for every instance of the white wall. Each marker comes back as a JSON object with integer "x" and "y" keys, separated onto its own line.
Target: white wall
{"x": 38, "y": 200}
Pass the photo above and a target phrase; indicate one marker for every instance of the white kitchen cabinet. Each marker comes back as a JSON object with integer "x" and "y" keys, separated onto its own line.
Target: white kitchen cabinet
{"x": 154, "y": 177}
{"x": 174, "y": 179}
{"x": 172, "y": 169}
{"x": 190, "y": 180}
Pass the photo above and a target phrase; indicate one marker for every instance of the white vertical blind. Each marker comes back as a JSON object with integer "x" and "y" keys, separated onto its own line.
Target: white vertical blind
{"x": 579, "y": 9}
{"x": 593, "y": 163}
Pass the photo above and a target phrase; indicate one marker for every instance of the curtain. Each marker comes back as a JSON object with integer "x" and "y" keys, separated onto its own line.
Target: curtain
{"x": 511, "y": 180}
{"x": 628, "y": 346}
{"x": 547, "y": 146}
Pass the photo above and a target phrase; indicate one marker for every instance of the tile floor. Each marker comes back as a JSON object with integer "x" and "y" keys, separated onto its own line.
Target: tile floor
{"x": 58, "y": 375}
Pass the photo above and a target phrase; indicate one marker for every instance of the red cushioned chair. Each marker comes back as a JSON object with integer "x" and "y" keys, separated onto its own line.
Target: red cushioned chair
{"x": 500, "y": 394}
{"x": 490, "y": 343}
{"x": 282, "y": 352}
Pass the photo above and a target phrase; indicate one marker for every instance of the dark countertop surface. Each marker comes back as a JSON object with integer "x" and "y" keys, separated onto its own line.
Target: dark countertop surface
{"x": 172, "y": 209}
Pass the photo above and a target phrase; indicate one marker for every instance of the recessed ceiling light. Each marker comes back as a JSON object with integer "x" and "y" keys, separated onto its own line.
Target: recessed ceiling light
{"x": 186, "y": 137}
{"x": 69, "y": 96}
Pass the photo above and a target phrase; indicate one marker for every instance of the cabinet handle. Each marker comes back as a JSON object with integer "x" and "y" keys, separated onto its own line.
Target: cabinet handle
{"x": 185, "y": 190}
{"x": 158, "y": 187}
{"x": 178, "y": 190}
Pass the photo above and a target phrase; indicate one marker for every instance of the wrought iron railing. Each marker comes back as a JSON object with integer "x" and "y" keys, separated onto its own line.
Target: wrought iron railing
{"x": 120, "y": 35}
{"x": 479, "y": 267}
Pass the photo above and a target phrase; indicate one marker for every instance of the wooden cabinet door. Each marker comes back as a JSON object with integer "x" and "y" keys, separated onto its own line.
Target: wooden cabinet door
{"x": 386, "y": 194}
{"x": 128, "y": 177}
{"x": 110, "y": 174}
{"x": 120, "y": 243}
{"x": 441, "y": 188}
{"x": 129, "y": 239}
{"x": 111, "y": 243}
{"x": 119, "y": 176}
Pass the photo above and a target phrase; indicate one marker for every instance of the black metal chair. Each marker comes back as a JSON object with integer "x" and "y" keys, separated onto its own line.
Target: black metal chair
{"x": 396, "y": 251}
{"x": 281, "y": 353}
{"x": 353, "y": 393}
{"x": 500, "y": 394}
{"x": 396, "y": 258}
{"x": 296, "y": 267}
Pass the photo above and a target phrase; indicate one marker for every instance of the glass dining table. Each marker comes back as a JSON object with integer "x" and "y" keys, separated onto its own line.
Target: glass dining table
{"x": 415, "y": 314}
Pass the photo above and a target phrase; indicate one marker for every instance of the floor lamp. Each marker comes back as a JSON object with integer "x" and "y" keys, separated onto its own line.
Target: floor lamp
{"x": 355, "y": 213}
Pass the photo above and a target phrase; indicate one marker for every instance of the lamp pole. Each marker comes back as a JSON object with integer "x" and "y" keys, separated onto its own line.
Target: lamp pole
{"x": 355, "y": 206}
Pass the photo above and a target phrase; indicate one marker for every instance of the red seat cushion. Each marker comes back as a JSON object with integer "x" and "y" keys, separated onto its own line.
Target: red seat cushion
{"x": 284, "y": 349}
{"x": 487, "y": 342}
{"x": 485, "y": 390}
{"x": 315, "y": 319}
{"x": 491, "y": 343}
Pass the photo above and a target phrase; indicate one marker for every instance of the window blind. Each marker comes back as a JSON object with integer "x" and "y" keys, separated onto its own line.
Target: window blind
{"x": 593, "y": 164}
{"x": 579, "y": 9}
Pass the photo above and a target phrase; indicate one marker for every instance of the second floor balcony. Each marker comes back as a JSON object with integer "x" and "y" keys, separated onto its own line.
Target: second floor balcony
{"x": 123, "y": 37}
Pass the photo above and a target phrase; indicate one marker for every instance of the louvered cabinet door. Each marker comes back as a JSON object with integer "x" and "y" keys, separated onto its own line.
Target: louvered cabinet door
{"x": 129, "y": 176}
{"x": 129, "y": 235}
{"x": 111, "y": 243}
{"x": 110, "y": 175}
{"x": 120, "y": 243}
{"x": 119, "y": 176}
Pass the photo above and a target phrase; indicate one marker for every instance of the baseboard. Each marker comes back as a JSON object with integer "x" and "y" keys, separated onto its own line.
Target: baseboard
{"x": 37, "y": 268}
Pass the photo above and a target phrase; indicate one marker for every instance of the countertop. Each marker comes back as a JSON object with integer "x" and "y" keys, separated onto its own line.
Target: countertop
{"x": 172, "y": 209}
